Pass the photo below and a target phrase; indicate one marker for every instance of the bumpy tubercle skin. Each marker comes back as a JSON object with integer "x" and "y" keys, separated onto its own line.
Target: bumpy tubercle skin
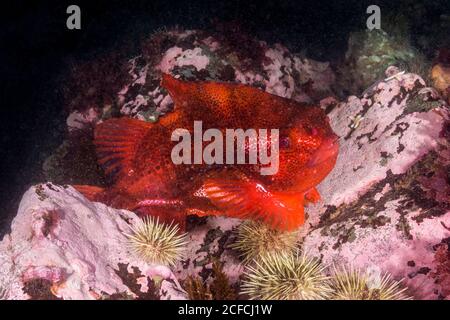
{"x": 138, "y": 155}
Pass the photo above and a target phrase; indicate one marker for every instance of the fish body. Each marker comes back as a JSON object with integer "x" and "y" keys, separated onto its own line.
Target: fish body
{"x": 137, "y": 157}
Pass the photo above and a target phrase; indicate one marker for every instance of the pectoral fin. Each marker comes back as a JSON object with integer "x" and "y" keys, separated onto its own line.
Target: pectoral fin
{"x": 312, "y": 196}
{"x": 250, "y": 200}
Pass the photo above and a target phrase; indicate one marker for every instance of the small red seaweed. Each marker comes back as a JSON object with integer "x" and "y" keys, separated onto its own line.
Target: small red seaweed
{"x": 442, "y": 273}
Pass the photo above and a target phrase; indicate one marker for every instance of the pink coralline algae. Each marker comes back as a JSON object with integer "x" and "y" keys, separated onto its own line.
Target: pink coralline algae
{"x": 383, "y": 209}
{"x": 73, "y": 248}
{"x": 52, "y": 274}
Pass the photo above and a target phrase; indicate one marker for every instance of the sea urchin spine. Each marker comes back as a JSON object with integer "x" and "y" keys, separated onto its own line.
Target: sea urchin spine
{"x": 350, "y": 284}
{"x": 254, "y": 239}
{"x": 286, "y": 277}
{"x": 156, "y": 242}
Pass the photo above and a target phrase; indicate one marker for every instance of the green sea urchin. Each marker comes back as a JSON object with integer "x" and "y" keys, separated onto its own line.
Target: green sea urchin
{"x": 156, "y": 242}
{"x": 349, "y": 284}
{"x": 286, "y": 276}
{"x": 254, "y": 239}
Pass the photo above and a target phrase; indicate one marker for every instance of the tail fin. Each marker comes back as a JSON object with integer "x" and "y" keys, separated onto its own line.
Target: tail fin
{"x": 92, "y": 193}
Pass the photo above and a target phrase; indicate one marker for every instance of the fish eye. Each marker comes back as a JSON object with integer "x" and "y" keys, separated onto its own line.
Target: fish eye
{"x": 284, "y": 142}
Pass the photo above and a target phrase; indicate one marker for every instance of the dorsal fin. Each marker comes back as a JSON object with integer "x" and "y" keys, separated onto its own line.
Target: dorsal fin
{"x": 116, "y": 142}
{"x": 177, "y": 88}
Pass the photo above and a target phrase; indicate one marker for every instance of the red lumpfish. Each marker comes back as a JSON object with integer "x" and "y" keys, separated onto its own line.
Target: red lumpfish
{"x": 137, "y": 155}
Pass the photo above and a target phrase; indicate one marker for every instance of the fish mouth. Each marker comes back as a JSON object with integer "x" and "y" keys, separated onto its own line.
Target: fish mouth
{"x": 328, "y": 150}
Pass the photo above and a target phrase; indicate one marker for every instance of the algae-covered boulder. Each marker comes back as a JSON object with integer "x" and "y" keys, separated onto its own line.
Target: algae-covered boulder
{"x": 368, "y": 55}
{"x": 62, "y": 246}
{"x": 386, "y": 204}
{"x": 230, "y": 57}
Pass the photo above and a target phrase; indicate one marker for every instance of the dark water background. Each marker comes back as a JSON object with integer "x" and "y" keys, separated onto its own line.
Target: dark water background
{"x": 37, "y": 51}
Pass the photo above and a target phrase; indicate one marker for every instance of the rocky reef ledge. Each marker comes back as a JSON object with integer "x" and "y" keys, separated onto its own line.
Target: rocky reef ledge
{"x": 62, "y": 246}
{"x": 386, "y": 204}
{"x": 385, "y": 208}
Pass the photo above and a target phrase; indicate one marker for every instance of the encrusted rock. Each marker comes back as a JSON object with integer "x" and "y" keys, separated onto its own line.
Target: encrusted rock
{"x": 386, "y": 204}
{"x": 209, "y": 242}
{"x": 62, "y": 246}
